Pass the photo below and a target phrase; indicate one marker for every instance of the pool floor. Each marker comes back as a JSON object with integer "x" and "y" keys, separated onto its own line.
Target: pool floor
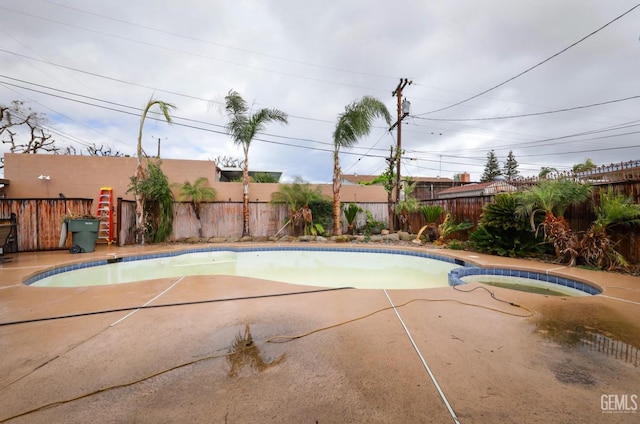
{"x": 322, "y": 268}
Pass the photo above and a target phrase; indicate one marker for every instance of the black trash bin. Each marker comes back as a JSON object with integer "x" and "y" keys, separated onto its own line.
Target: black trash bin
{"x": 84, "y": 234}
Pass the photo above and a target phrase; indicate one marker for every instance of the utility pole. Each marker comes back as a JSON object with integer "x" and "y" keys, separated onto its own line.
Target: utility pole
{"x": 389, "y": 186}
{"x": 403, "y": 112}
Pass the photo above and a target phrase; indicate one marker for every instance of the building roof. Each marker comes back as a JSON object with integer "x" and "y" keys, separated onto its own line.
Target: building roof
{"x": 477, "y": 189}
{"x": 360, "y": 179}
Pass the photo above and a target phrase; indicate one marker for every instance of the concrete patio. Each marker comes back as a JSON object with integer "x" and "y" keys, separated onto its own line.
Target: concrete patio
{"x": 446, "y": 356}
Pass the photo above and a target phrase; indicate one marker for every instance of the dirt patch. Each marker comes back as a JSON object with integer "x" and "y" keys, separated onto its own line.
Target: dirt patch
{"x": 567, "y": 323}
{"x": 570, "y": 373}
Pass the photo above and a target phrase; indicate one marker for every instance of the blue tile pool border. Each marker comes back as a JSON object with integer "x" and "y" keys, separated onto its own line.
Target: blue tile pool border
{"x": 456, "y": 275}
{"x": 454, "y": 278}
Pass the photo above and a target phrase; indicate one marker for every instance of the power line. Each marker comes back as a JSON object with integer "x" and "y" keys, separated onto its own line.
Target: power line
{"x": 330, "y": 150}
{"x": 534, "y": 66}
{"x": 539, "y": 143}
{"x": 187, "y": 37}
{"x": 528, "y": 114}
{"x": 604, "y": 149}
{"x": 137, "y": 114}
{"x": 228, "y": 62}
{"x": 140, "y": 85}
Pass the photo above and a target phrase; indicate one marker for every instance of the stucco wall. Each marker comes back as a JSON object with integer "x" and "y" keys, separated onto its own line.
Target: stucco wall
{"x": 82, "y": 177}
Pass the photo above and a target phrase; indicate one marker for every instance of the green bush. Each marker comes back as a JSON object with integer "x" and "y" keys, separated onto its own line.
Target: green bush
{"x": 322, "y": 210}
{"x": 372, "y": 226}
{"x": 501, "y": 232}
{"x": 431, "y": 213}
{"x": 158, "y": 202}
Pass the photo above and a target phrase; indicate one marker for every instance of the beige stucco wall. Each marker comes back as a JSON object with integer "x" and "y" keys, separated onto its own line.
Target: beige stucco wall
{"x": 83, "y": 176}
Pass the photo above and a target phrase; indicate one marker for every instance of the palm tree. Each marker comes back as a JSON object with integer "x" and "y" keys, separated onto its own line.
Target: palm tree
{"x": 582, "y": 167}
{"x": 243, "y": 127}
{"x": 197, "y": 193}
{"x": 351, "y": 213}
{"x": 553, "y": 197}
{"x": 165, "y": 108}
{"x": 431, "y": 214}
{"x": 297, "y": 197}
{"x": 597, "y": 249}
{"x": 354, "y": 123}
{"x": 546, "y": 171}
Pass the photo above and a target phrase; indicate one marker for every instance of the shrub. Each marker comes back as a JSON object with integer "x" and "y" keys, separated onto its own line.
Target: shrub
{"x": 501, "y": 232}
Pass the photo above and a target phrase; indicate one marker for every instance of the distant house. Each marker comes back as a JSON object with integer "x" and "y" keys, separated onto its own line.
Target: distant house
{"x": 478, "y": 189}
{"x": 426, "y": 187}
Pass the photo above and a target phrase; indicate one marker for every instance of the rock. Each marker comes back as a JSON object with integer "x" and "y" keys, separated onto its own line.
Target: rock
{"x": 391, "y": 237}
{"x": 246, "y": 239}
{"x": 193, "y": 240}
{"x": 384, "y": 232}
{"x": 321, "y": 239}
{"x": 217, "y": 240}
{"x": 306, "y": 238}
{"x": 404, "y": 236}
{"x": 233, "y": 239}
{"x": 260, "y": 239}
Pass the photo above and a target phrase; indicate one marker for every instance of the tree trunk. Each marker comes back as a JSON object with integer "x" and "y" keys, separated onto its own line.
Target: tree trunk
{"x": 390, "y": 210}
{"x": 245, "y": 193}
{"x": 337, "y": 230}
{"x": 140, "y": 224}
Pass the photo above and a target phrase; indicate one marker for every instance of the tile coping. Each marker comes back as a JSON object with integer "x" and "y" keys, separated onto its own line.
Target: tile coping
{"x": 455, "y": 275}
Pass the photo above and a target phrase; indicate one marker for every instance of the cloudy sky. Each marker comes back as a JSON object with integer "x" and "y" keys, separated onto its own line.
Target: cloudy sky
{"x": 91, "y": 66}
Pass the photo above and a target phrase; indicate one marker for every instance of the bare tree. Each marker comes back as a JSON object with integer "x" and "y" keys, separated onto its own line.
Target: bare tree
{"x": 22, "y": 129}
{"x": 94, "y": 150}
{"x": 228, "y": 162}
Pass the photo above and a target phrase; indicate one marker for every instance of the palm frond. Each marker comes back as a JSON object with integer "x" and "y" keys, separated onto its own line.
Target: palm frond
{"x": 355, "y": 122}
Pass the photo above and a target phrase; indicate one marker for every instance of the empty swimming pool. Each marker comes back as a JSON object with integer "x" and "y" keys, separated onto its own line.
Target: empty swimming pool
{"x": 359, "y": 268}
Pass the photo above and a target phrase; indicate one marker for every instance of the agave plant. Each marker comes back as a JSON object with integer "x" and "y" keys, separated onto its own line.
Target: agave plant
{"x": 449, "y": 226}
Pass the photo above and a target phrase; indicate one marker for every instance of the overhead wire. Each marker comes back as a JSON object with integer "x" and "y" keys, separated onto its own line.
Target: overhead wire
{"x": 524, "y": 115}
{"x": 253, "y": 52}
{"x": 534, "y": 66}
{"x": 367, "y": 154}
{"x": 188, "y": 37}
{"x": 272, "y": 135}
{"x": 136, "y": 112}
{"x": 201, "y": 56}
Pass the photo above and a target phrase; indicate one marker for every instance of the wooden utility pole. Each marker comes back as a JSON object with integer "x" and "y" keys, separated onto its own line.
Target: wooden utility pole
{"x": 401, "y": 115}
{"x": 389, "y": 186}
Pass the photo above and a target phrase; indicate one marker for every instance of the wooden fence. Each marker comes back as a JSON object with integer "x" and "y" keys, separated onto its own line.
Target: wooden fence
{"x": 39, "y": 220}
{"x": 224, "y": 219}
